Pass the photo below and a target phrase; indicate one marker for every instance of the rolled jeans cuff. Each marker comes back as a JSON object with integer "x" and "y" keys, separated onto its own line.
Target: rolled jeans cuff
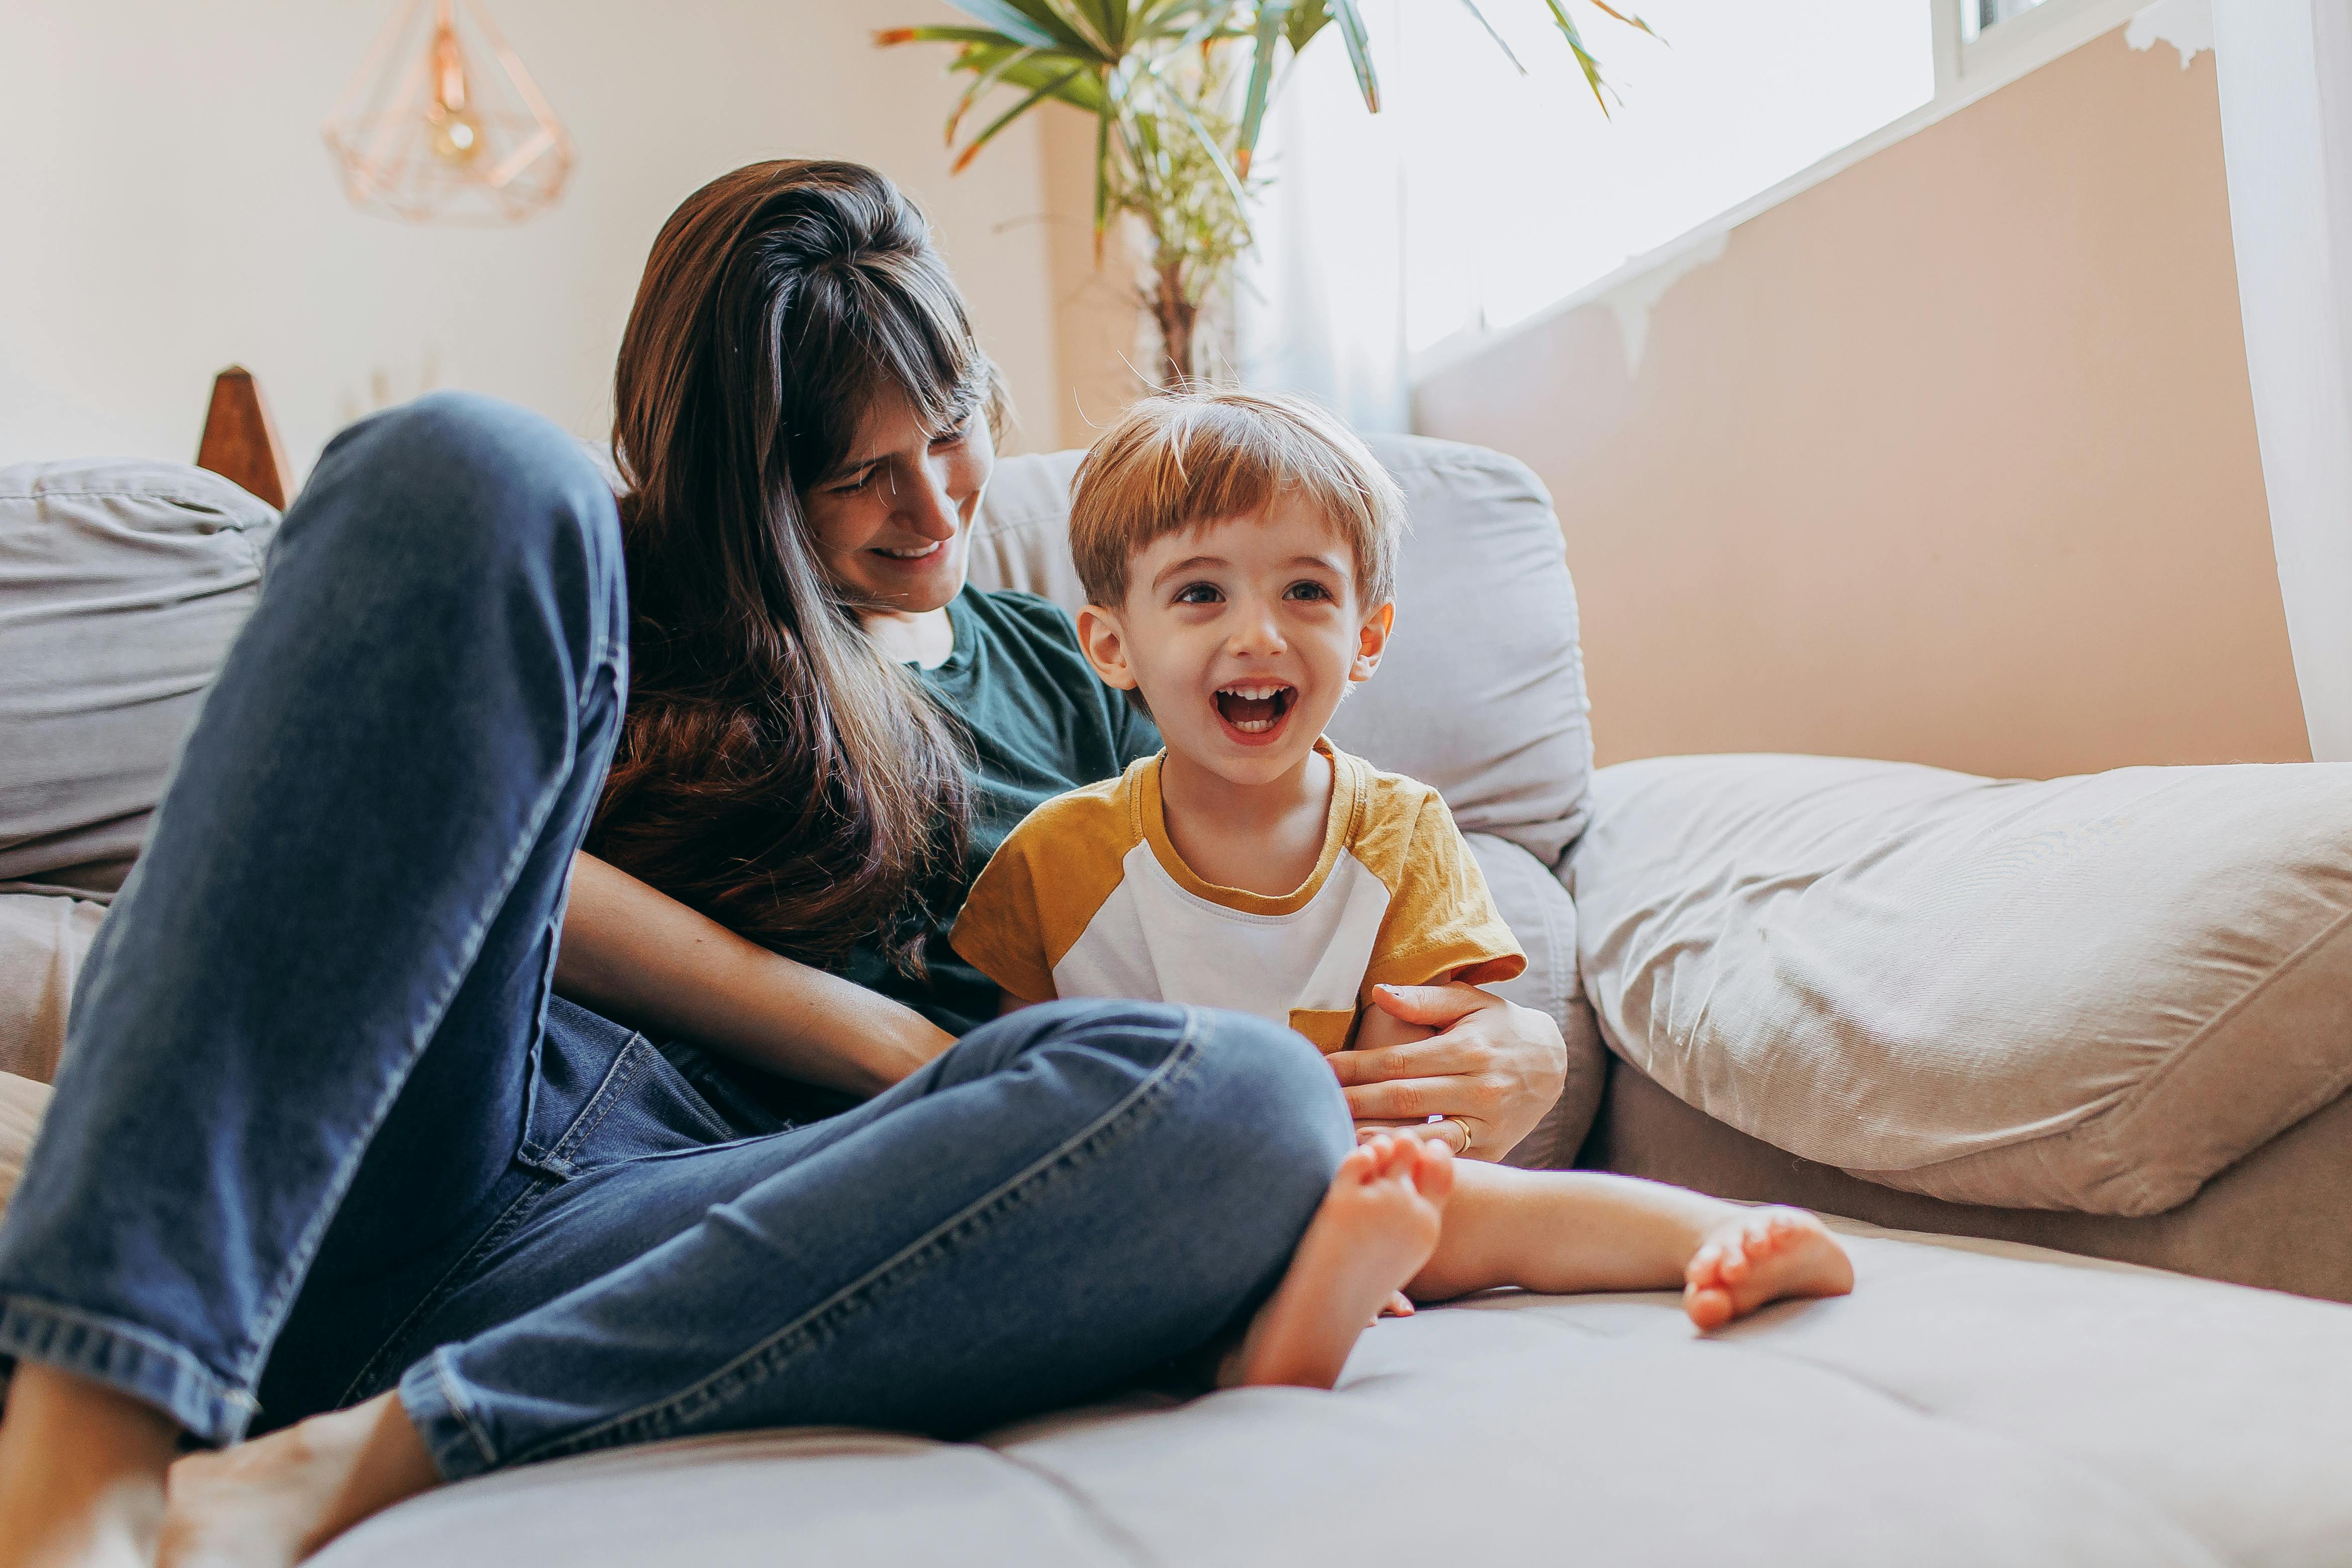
{"x": 128, "y": 1359}
{"x": 430, "y": 1394}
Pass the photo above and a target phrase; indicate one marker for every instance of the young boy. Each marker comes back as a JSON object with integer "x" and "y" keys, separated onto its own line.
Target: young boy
{"x": 1238, "y": 551}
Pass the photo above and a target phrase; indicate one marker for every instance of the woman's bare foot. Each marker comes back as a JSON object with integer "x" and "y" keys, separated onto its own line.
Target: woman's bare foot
{"x": 273, "y": 1501}
{"x": 81, "y": 1473}
{"x": 1375, "y": 1228}
{"x": 1763, "y": 1254}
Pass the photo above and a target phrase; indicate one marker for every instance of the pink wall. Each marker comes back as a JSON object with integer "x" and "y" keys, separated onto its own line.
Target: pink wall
{"x": 1950, "y": 459}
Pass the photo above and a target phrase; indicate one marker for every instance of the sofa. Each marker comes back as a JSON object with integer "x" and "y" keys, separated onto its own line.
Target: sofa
{"x": 2109, "y": 1017}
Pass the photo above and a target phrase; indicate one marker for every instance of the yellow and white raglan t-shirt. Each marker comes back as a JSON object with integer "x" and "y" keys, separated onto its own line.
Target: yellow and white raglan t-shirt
{"x": 1088, "y": 897}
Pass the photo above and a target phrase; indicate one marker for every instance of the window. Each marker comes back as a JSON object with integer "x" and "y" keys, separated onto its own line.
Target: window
{"x": 1519, "y": 192}
{"x": 1480, "y": 196}
{"x": 1976, "y": 16}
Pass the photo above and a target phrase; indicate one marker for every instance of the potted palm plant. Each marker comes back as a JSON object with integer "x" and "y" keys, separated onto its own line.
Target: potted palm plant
{"x": 1179, "y": 90}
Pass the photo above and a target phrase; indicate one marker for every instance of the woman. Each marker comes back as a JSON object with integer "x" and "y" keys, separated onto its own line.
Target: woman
{"x": 322, "y": 1141}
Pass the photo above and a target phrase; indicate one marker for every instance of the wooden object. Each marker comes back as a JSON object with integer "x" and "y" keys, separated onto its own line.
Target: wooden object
{"x": 240, "y": 443}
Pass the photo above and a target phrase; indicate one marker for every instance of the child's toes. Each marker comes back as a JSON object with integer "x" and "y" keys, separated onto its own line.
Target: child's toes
{"x": 1359, "y": 1167}
{"x": 1707, "y": 1305}
{"x": 1433, "y": 1168}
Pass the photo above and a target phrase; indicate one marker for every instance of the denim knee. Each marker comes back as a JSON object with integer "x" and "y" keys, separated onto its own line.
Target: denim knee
{"x": 470, "y": 494}
{"x": 1269, "y": 1092}
{"x": 1260, "y": 1103}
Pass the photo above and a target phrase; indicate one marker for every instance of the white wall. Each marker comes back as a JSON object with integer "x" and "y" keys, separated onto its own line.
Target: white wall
{"x": 167, "y": 207}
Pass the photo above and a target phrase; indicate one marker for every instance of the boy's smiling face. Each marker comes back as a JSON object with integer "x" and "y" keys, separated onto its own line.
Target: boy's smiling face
{"x": 1242, "y": 633}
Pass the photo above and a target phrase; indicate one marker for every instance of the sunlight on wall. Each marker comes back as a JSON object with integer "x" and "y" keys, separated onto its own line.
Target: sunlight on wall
{"x": 1518, "y": 191}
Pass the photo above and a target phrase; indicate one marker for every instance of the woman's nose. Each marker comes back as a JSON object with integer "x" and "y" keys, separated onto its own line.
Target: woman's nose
{"x": 932, "y": 505}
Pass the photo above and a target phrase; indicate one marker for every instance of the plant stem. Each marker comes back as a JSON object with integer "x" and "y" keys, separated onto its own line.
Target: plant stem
{"x": 1175, "y": 314}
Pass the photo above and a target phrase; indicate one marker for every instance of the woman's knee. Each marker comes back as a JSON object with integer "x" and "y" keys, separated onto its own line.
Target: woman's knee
{"x": 467, "y": 486}
{"x": 1269, "y": 1097}
{"x": 1250, "y": 1102}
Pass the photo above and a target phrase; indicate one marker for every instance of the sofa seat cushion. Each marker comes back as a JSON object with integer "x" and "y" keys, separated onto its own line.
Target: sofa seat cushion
{"x": 1970, "y": 1404}
{"x": 43, "y": 939}
{"x": 22, "y": 1104}
{"x": 2086, "y": 994}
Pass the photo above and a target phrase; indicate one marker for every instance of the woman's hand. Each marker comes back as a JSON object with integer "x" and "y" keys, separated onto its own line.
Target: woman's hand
{"x": 1494, "y": 1068}
{"x": 640, "y": 957}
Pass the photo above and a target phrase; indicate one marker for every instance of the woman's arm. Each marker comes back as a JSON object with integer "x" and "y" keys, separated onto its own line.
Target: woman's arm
{"x": 644, "y": 958}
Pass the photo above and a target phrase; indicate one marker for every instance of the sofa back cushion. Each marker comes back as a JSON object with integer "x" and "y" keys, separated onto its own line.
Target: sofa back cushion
{"x": 121, "y": 583}
{"x": 2088, "y": 994}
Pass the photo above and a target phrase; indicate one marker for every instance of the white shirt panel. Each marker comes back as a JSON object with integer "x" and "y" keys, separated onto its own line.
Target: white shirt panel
{"x": 1154, "y": 940}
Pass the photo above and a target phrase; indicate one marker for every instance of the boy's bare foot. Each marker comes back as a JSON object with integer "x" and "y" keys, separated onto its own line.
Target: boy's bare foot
{"x": 1375, "y": 1228}
{"x": 81, "y": 1473}
{"x": 273, "y": 1501}
{"x": 1763, "y": 1254}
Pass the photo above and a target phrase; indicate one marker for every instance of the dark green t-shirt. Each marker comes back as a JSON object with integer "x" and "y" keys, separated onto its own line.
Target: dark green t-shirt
{"x": 1041, "y": 724}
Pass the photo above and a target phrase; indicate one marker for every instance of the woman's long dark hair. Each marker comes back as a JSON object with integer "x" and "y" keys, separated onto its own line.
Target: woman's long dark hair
{"x": 775, "y": 770}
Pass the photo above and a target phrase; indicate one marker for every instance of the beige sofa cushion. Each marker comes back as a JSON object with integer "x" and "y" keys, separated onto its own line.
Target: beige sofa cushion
{"x": 21, "y": 1103}
{"x": 2083, "y": 994}
{"x": 1968, "y": 1406}
{"x": 43, "y": 939}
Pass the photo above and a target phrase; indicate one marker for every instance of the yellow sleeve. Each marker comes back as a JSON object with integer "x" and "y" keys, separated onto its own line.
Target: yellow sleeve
{"x": 1442, "y": 923}
{"x": 1033, "y": 899}
{"x": 1000, "y": 930}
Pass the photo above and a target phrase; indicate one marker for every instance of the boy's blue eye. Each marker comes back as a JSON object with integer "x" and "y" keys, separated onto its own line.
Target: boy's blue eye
{"x": 1310, "y": 590}
{"x": 1199, "y": 594}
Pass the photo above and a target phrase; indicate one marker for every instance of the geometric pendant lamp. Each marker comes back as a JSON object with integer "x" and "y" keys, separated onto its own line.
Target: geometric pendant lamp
{"x": 442, "y": 124}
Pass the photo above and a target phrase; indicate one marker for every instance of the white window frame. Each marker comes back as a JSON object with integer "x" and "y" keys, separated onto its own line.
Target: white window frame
{"x": 1964, "y": 73}
{"x": 1967, "y": 71}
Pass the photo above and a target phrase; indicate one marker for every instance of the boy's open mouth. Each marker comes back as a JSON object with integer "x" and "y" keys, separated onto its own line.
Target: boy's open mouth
{"x": 1255, "y": 707}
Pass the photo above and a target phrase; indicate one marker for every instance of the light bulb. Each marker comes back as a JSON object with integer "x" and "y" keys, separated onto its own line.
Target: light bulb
{"x": 457, "y": 134}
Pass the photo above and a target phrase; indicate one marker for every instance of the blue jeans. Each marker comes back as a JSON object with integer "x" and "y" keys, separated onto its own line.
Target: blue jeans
{"x": 322, "y": 1131}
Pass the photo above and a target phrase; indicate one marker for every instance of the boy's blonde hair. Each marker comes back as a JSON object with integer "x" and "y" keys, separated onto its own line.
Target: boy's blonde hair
{"x": 1179, "y": 460}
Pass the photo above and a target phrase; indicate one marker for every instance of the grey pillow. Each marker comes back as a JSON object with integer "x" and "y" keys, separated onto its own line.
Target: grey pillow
{"x": 2086, "y": 994}
{"x": 121, "y": 583}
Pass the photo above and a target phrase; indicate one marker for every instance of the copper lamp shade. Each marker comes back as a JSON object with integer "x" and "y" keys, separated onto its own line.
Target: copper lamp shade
{"x": 443, "y": 124}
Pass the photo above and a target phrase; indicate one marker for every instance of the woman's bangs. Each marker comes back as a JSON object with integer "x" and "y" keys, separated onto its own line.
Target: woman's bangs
{"x": 923, "y": 346}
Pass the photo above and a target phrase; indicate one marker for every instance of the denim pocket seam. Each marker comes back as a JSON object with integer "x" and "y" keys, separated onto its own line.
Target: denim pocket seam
{"x": 756, "y": 1364}
{"x": 627, "y": 1067}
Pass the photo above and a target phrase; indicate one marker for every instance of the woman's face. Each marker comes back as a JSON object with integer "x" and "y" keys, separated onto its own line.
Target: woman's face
{"x": 893, "y": 522}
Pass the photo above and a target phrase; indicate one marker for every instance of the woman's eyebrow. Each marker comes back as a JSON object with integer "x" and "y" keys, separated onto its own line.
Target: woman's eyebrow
{"x": 852, "y": 466}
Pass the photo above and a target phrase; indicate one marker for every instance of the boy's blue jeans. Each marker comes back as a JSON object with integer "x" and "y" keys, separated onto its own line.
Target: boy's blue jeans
{"x": 322, "y": 1131}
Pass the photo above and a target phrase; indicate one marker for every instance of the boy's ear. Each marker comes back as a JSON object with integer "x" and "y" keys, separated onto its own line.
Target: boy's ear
{"x": 1105, "y": 642}
{"x": 1372, "y": 642}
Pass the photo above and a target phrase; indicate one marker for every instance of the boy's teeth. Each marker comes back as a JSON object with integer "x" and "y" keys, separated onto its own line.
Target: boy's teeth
{"x": 1253, "y": 709}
